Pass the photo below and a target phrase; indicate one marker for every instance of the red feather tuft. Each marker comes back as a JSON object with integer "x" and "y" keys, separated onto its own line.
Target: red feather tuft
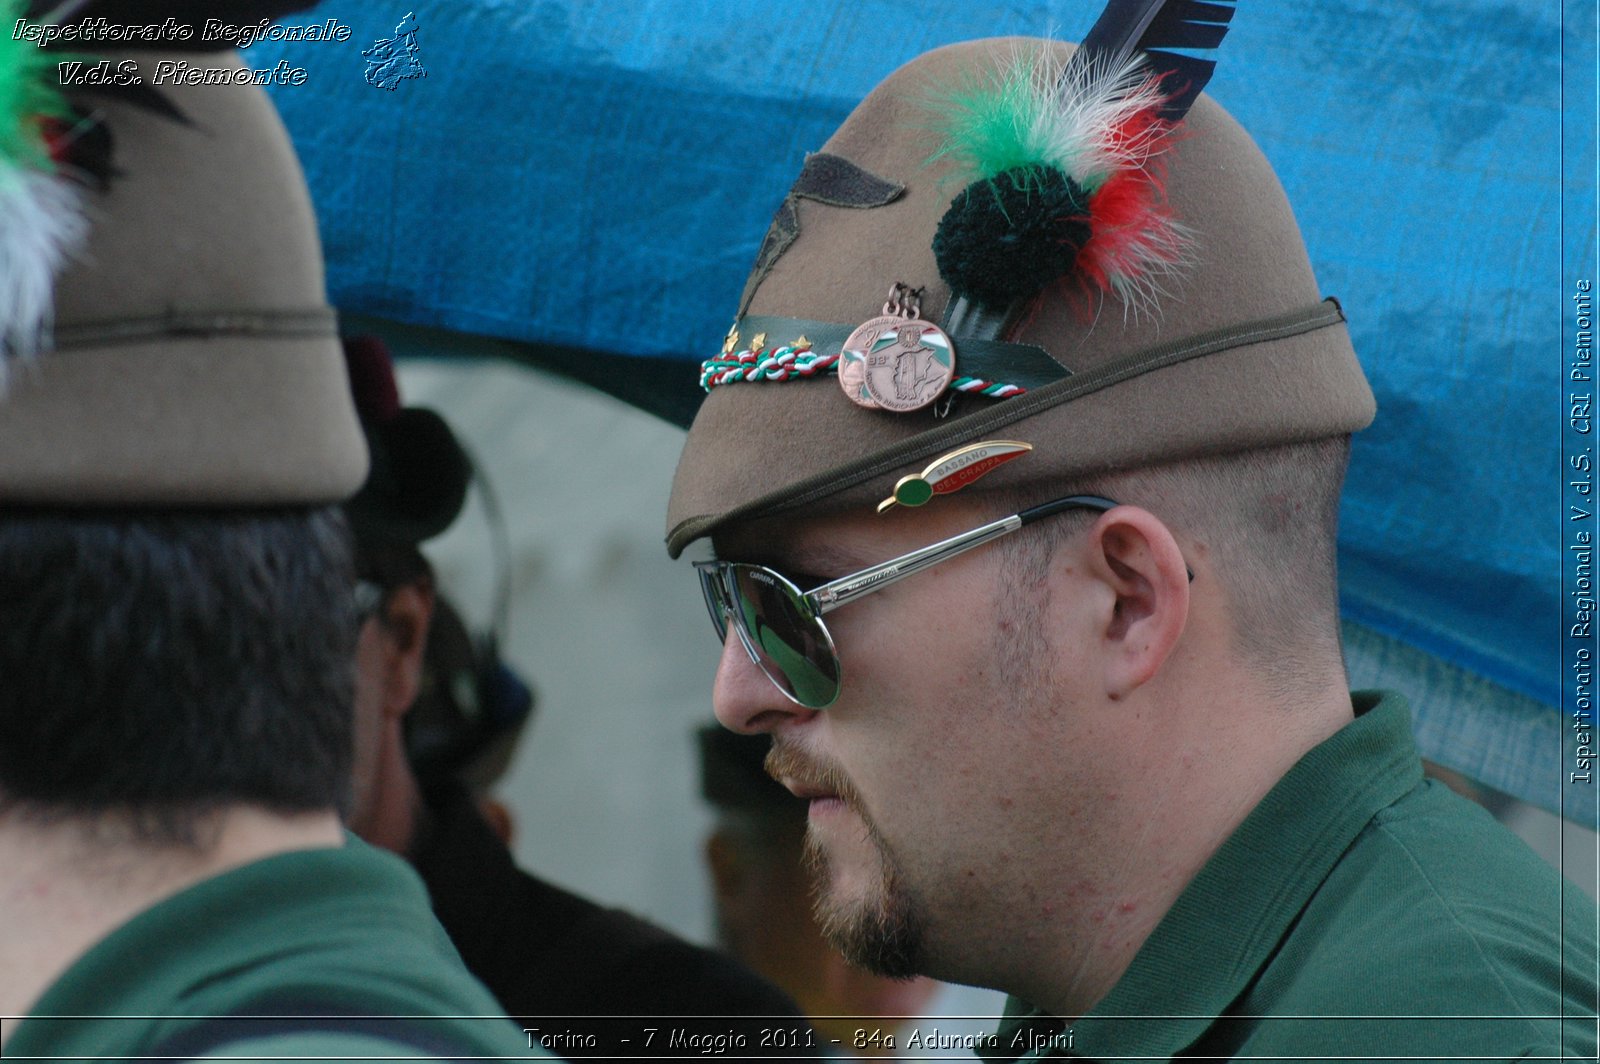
{"x": 1133, "y": 237}
{"x": 56, "y": 139}
{"x": 1119, "y": 213}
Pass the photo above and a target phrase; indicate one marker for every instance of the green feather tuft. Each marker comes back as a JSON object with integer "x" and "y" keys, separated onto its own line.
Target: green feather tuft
{"x": 1029, "y": 113}
{"x": 988, "y": 123}
{"x": 30, "y": 91}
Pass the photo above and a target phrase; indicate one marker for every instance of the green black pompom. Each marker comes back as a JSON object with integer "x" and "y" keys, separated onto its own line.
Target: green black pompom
{"x": 1004, "y": 239}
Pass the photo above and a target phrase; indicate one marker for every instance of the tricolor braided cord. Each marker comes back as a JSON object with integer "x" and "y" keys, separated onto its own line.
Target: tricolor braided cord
{"x": 787, "y": 363}
{"x": 772, "y": 364}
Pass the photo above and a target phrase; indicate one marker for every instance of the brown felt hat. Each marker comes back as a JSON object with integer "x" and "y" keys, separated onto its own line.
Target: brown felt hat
{"x": 195, "y": 359}
{"x": 1242, "y": 350}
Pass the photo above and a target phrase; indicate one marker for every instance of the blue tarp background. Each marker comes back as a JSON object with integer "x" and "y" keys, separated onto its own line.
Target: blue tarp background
{"x": 598, "y": 176}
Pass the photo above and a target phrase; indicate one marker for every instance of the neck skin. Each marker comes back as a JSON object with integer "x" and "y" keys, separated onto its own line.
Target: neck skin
{"x": 386, "y": 806}
{"x": 1208, "y": 743}
{"x": 388, "y": 809}
{"x": 66, "y": 884}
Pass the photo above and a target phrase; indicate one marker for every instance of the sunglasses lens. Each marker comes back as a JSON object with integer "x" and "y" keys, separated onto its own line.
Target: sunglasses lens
{"x": 793, "y": 648}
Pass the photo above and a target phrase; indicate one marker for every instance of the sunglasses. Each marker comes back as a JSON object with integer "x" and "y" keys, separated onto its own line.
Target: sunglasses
{"x": 780, "y": 626}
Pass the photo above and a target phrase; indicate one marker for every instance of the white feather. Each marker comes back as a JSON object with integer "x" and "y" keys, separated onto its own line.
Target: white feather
{"x": 1148, "y": 263}
{"x": 44, "y": 227}
{"x": 1075, "y": 119}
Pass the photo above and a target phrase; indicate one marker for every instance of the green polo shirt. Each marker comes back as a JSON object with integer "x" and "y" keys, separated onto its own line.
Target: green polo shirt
{"x": 339, "y": 944}
{"x": 1359, "y": 912}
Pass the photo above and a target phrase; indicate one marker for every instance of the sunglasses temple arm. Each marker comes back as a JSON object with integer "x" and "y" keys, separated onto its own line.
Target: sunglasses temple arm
{"x": 1071, "y": 502}
{"x": 1077, "y": 502}
{"x": 848, "y": 588}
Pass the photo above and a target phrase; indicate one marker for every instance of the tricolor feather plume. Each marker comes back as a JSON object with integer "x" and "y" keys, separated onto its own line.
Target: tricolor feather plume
{"x": 41, "y": 209}
{"x": 1064, "y": 165}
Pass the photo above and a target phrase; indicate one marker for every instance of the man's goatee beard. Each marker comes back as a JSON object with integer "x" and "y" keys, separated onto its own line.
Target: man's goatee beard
{"x": 884, "y": 938}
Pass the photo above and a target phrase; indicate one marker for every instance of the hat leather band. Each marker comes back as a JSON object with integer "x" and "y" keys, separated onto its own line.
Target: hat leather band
{"x": 1024, "y": 365}
{"x": 1029, "y": 366}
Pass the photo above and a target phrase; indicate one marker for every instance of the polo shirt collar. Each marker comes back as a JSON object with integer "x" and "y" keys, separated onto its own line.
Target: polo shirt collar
{"x": 150, "y": 968}
{"x": 1227, "y": 923}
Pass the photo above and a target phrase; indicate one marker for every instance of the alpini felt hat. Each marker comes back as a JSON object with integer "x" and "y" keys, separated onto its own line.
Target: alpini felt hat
{"x": 164, "y": 329}
{"x": 1016, "y": 242}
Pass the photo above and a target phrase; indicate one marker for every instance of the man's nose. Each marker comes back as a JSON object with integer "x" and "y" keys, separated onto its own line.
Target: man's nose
{"x": 744, "y": 699}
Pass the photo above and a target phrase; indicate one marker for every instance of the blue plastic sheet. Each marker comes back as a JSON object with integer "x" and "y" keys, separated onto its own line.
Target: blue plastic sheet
{"x": 597, "y": 176}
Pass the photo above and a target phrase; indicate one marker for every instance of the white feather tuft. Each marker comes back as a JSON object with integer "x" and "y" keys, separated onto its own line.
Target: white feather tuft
{"x": 1074, "y": 125}
{"x": 44, "y": 228}
{"x": 1146, "y": 263}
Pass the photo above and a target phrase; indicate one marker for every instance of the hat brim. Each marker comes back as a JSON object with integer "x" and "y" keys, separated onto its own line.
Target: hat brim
{"x": 1308, "y": 384}
{"x": 242, "y": 420}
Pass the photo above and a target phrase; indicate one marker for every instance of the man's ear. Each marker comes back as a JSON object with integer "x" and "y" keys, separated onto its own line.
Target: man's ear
{"x": 499, "y": 819}
{"x": 1137, "y": 557}
{"x": 406, "y": 616}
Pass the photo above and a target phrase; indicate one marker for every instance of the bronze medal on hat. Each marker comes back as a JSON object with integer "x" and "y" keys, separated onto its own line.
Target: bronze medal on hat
{"x": 853, "y": 365}
{"x": 897, "y": 361}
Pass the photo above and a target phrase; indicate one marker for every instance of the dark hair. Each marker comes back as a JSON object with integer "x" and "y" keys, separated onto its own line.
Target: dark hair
{"x": 161, "y": 665}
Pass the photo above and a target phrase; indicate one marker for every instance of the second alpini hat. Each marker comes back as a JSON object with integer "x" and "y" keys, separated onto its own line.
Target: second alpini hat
{"x": 1018, "y": 242}
{"x": 165, "y": 338}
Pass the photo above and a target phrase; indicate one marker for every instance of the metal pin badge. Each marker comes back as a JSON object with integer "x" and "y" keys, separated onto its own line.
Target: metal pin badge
{"x": 954, "y": 471}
